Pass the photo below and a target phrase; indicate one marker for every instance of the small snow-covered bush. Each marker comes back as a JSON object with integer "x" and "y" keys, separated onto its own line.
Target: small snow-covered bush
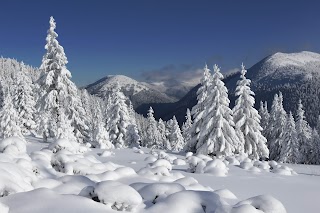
{"x": 154, "y": 192}
{"x": 161, "y": 162}
{"x": 150, "y": 159}
{"x": 106, "y": 153}
{"x": 283, "y": 170}
{"x": 159, "y": 170}
{"x": 260, "y": 204}
{"x": 116, "y": 195}
{"x": 194, "y": 162}
{"x": 13, "y": 145}
{"x": 189, "y": 202}
{"x": 64, "y": 144}
{"x": 216, "y": 167}
{"x": 246, "y": 165}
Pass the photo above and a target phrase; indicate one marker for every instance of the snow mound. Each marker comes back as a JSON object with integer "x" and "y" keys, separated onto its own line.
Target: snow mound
{"x": 13, "y": 145}
{"x": 150, "y": 159}
{"x": 159, "y": 171}
{"x": 161, "y": 162}
{"x": 4, "y": 208}
{"x": 189, "y": 202}
{"x": 156, "y": 191}
{"x": 216, "y": 167}
{"x": 262, "y": 203}
{"x": 106, "y": 153}
{"x": 225, "y": 193}
{"x": 64, "y": 144}
{"x": 117, "y": 196}
{"x": 283, "y": 170}
{"x": 15, "y": 178}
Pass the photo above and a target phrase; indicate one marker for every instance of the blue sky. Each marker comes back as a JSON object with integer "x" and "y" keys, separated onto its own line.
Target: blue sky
{"x": 150, "y": 39}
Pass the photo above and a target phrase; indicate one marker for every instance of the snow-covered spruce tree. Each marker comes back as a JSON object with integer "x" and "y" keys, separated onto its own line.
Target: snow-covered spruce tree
{"x": 163, "y": 135}
{"x": 247, "y": 120}
{"x": 290, "y": 152}
{"x": 64, "y": 128}
{"x": 217, "y": 135}
{"x": 276, "y": 126}
{"x": 198, "y": 110}
{"x": 264, "y": 113}
{"x": 153, "y": 139}
{"x": 24, "y": 102}
{"x": 9, "y": 120}
{"x": 186, "y": 127}
{"x": 304, "y": 132}
{"x": 101, "y": 137}
{"x": 58, "y": 91}
{"x": 175, "y": 137}
{"x": 118, "y": 121}
{"x": 315, "y": 154}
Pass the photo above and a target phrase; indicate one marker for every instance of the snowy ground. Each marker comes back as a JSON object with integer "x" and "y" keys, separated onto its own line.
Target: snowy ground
{"x": 65, "y": 178}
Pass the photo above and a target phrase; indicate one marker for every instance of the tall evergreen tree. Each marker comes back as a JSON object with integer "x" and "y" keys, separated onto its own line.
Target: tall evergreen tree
{"x": 315, "y": 152}
{"x": 175, "y": 136}
{"x": 101, "y": 137}
{"x": 58, "y": 91}
{"x": 276, "y": 126}
{"x": 247, "y": 120}
{"x": 290, "y": 152}
{"x": 163, "y": 135}
{"x": 186, "y": 127}
{"x": 265, "y": 116}
{"x": 153, "y": 139}
{"x": 24, "y": 102}
{"x": 217, "y": 135}
{"x": 119, "y": 120}
{"x": 199, "y": 109}
{"x": 9, "y": 120}
{"x": 304, "y": 132}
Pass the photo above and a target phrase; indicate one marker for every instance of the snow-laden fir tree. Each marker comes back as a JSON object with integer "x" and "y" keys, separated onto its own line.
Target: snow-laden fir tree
{"x": 290, "y": 152}
{"x": 304, "y": 132}
{"x": 247, "y": 120}
{"x": 153, "y": 138}
{"x": 118, "y": 120}
{"x": 163, "y": 135}
{"x": 58, "y": 91}
{"x": 24, "y": 102}
{"x": 175, "y": 137}
{"x": 264, "y": 113}
{"x": 64, "y": 128}
{"x": 101, "y": 137}
{"x": 276, "y": 127}
{"x": 217, "y": 135}
{"x": 9, "y": 120}
{"x": 198, "y": 110}
{"x": 315, "y": 152}
{"x": 186, "y": 127}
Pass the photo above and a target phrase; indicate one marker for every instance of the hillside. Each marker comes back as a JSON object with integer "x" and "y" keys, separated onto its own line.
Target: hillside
{"x": 138, "y": 92}
{"x": 296, "y": 75}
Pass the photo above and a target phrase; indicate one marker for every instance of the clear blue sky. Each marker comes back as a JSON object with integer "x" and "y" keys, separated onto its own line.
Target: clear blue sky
{"x": 135, "y": 37}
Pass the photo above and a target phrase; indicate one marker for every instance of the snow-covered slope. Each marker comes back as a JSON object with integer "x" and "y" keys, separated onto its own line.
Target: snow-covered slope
{"x": 36, "y": 177}
{"x": 138, "y": 92}
{"x": 286, "y": 68}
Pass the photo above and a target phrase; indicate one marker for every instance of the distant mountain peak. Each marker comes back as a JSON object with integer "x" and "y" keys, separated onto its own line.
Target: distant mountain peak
{"x": 299, "y": 59}
{"x": 138, "y": 92}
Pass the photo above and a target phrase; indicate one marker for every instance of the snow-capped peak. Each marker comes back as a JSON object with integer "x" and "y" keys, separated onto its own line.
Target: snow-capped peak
{"x": 293, "y": 59}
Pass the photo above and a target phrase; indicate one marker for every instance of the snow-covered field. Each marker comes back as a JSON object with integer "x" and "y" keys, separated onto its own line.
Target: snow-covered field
{"x": 63, "y": 177}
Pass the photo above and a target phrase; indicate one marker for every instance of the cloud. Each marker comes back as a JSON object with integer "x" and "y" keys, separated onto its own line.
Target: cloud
{"x": 173, "y": 74}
